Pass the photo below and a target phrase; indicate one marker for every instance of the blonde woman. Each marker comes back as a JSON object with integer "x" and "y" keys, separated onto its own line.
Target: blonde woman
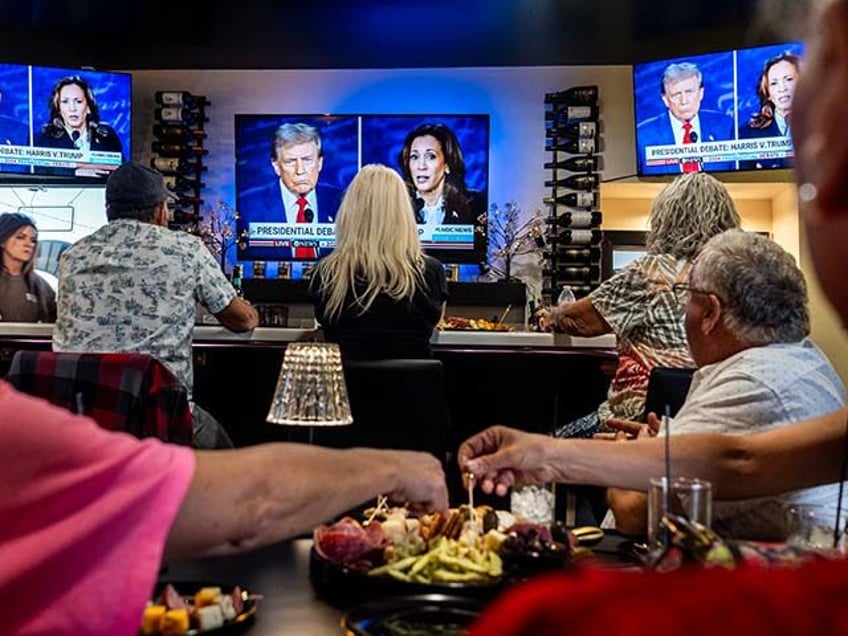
{"x": 377, "y": 294}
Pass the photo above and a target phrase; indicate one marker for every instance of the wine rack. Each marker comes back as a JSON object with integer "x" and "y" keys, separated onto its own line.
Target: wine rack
{"x": 178, "y": 153}
{"x": 572, "y": 254}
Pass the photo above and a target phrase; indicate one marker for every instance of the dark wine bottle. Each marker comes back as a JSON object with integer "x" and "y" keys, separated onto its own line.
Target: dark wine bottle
{"x": 188, "y": 199}
{"x": 564, "y": 115}
{"x": 576, "y": 219}
{"x": 575, "y": 164}
{"x": 180, "y": 115}
{"x": 182, "y": 99}
{"x": 577, "y": 146}
{"x": 582, "y": 273}
{"x": 568, "y": 254}
{"x": 178, "y": 150}
{"x": 179, "y": 183}
{"x": 579, "y": 130}
{"x": 184, "y": 217}
{"x": 575, "y": 182}
{"x": 576, "y": 237}
{"x": 576, "y": 95}
{"x": 177, "y": 165}
{"x": 178, "y": 133}
{"x": 235, "y": 279}
{"x": 587, "y": 200}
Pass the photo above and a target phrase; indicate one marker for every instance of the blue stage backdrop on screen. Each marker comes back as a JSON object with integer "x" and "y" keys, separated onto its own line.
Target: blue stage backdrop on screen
{"x": 451, "y": 228}
{"x": 692, "y": 113}
{"x": 77, "y": 123}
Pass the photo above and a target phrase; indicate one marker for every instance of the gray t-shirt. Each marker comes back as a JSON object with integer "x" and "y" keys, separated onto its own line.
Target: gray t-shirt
{"x": 17, "y": 304}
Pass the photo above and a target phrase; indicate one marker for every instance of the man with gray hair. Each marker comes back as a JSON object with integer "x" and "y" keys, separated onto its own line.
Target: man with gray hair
{"x": 684, "y": 122}
{"x": 297, "y": 158}
{"x": 747, "y": 324}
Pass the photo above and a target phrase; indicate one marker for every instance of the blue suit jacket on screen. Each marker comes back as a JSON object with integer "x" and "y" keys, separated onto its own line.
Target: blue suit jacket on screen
{"x": 657, "y": 131}
{"x": 265, "y": 204}
{"x": 772, "y": 130}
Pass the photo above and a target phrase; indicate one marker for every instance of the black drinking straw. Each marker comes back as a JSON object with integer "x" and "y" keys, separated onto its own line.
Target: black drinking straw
{"x": 843, "y": 475}
{"x": 666, "y": 417}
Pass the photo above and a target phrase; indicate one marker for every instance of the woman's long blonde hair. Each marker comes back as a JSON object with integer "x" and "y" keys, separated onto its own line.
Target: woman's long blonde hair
{"x": 377, "y": 246}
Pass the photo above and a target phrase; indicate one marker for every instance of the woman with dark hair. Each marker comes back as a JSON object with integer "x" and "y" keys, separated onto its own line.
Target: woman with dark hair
{"x": 24, "y": 295}
{"x": 775, "y": 90}
{"x": 434, "y": 171}
{"x": 75, "y": 121}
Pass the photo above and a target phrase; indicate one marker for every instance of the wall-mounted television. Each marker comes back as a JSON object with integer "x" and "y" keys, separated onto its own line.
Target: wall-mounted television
{"x": 717, "y": 112}
{"x": 272, "y": 173}
{"x": 62, "y": 125}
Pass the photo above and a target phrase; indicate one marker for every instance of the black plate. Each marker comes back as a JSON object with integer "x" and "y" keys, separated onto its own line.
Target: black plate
{"x": 343, "y": 587}
{"x": 187, "y": 589}
{"x": 419, "y": 614}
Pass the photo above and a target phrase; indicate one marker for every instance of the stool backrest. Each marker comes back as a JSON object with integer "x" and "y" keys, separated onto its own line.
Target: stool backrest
{"x": 667, "y": 386}
{"x": 129, "y": 392}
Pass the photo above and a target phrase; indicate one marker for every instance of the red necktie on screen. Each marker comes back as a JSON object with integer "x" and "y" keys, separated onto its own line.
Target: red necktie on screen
{"x": 303, "y": 252}
{"x": 689, "y": 166}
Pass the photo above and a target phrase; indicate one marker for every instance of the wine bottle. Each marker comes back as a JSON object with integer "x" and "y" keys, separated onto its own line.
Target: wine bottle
{"x": 235, "y": 279}
{"x": 578, "y": 130}
{"x": 577, "y": 146}
{"x": 178, "y": 183}
{"x": 577, "y": 237}
{"x": 184, "y": 217}
{"x": 178, "y": 133}
{"x": 575, "y": 219}
{"x": 567, "y": 254}
{"x": 177, "y": 165}
{"x": 575, "y": 164}
{"x": 178, "y": 150}
{"x": 579, "y": 290}
{"x": 575, "y": 182}
{"x": 574, "y": 199}
{"x": 568, "y": 114}
{"x": 179, "y": 115}
{"x": 181, "y": 98}
{"x": 576, "y": 95}
{"x": 581, "y": 273}
{"x": 188, "y": 199}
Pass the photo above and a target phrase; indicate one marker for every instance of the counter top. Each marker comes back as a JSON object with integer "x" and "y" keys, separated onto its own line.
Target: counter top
{"x": 209, "y": 333}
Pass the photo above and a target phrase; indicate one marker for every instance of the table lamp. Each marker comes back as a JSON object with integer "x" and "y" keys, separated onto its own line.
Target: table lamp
{"x": 311, "y": 388}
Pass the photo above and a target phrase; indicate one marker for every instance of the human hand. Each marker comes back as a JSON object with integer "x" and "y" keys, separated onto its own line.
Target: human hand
{"x": 501, "y": 457}
{"x": 420, "y": 481}
{"x": 625, "y": 429}
{"x": 548, "y": 318}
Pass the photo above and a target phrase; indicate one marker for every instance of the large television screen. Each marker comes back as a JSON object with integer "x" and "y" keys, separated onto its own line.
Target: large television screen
{"x": 444, "y": 159}
{"x": 62, "y": 125}
{"x": 717, "y": 112}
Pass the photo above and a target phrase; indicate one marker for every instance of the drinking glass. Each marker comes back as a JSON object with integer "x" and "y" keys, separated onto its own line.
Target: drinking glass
{"x": 689, "y": 498}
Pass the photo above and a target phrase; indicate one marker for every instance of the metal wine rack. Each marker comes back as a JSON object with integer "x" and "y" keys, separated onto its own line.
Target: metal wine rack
{"x": 178, "y": 152}
{"x": 573, "y": 237}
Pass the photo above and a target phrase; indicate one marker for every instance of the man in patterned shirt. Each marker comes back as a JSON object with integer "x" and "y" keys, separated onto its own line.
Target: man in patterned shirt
{"x": 133, "y": 286}
{"x": 747, "y": 324}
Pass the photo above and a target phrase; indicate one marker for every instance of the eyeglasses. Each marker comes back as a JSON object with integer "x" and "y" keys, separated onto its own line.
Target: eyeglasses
{"x": 685, "y": 288}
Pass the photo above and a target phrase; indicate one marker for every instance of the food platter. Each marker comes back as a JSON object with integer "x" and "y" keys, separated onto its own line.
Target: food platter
{"x": 353, "y": 562}
{"x": 419, "y": 614}
{"x": 188, "y": 589}
{"x": 457, "y": 323}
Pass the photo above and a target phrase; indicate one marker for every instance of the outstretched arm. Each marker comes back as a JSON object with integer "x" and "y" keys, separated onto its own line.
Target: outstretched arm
{"x": 245, "y": 498}
{"x": 801, "y": 455}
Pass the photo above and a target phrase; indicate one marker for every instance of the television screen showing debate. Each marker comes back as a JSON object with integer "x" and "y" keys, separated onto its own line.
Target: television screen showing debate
{"x": 62, "y": 125}
{"x": 292, "y": 171}
{"x": 717, "y": 112}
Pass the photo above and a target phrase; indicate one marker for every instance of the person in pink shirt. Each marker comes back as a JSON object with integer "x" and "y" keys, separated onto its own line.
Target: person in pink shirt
{"x": 87, "y": 515}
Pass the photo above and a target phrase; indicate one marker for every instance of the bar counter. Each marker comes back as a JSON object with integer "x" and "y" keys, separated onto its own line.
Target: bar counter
{"x": 529, "y": 380}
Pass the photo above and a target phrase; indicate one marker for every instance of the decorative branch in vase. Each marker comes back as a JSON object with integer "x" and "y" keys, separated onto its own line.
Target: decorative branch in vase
{"x": 511, "y": 236}
{"x": 217, "y": 230}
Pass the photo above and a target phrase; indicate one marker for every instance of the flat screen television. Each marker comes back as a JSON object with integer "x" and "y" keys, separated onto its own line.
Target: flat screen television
{"x": 267, "y": 226}
{"x": 62, "y": 125}
{"x": 718, "y": 112}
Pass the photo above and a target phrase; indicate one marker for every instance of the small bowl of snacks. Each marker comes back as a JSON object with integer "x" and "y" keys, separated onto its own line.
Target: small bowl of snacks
{"x": 198, "y": 608}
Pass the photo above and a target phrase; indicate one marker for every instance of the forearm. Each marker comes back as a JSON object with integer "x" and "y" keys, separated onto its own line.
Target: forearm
{"x": 249, "y": 497}
{"x": 739, "y": 466}
{"x": 580, "y": 318}
{"x": 630, "y": 508}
